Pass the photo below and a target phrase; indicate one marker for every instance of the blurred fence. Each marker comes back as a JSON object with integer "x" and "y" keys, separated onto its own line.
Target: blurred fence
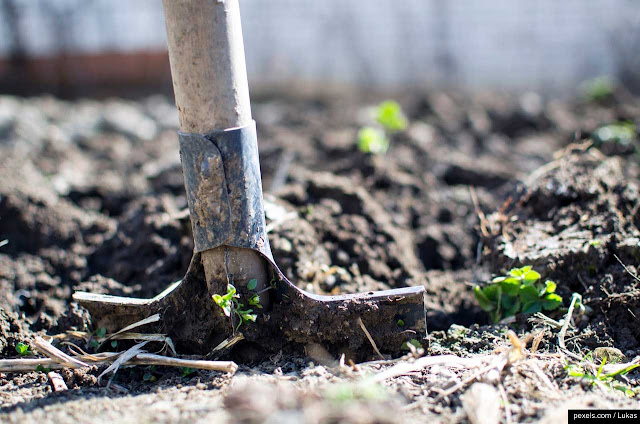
{"x": 546, "y": 45}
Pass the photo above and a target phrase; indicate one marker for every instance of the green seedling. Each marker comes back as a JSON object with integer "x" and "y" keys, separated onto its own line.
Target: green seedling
{"x": 602, "y": 379}
{"x": 40, "y": 368}
{"x": 23, "y": 349}
{"x": 252, "y": 284}
{"x": 226, "y": 301}
{"x": 388, "y": 118}
{"x": 389, "y": 115}
{"x": 149, "y": 374}
{"x": 517, "y": 292}
{"x": 186, "y": 371}
{"x": 372, "y": 140}
{"x": 622, "y": 132}
{"x": 350, "y": 392}
{"x": 100, "y": 333}
{"x": 599, "y": 89}
{"x": 230, "y": 299}
{"x": 415, "y": 343}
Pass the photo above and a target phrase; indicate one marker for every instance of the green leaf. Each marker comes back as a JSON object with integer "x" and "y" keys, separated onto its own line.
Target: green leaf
{"x": 531, "y": 276}
{"x": 231, "y": 292}
{"x": 510, "y": 286}
{"x": 413, "y": 342}
{"x": 22, "y": 348}
{"x": 400, "y": 323}
{"x": 101, "y": 332}
{"x": 389, "y": 115}
{"x": 252, "y": 284}
{"x": 218, "y": 299}
{"x": 551, "y": 301}
{"x": 483, "y": 300}
{"x": 372, "y": 140}
{"x": 519, "y": 272}
{"x": 492, "y": 292}
{"x": 510, "y": 305}
{"x": 42, "y": 369}
{"x": 531, "y": 307}
{"x": 529, "y": 294}
{"x": 114, "y": 343}
{"x": 550, "y": 286}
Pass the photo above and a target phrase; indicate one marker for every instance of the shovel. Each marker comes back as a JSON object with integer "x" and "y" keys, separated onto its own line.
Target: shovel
{"x": 219, "y": 154}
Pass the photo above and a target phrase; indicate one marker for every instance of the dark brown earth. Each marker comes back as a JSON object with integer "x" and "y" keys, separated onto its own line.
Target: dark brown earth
{"x": 92, "y": 198}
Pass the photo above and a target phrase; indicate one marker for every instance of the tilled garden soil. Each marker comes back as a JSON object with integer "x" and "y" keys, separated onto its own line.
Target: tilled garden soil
{"x": 92, "y": 199}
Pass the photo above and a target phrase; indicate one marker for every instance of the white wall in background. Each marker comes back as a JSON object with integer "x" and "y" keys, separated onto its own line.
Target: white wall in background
{"x": 521, "y": 44}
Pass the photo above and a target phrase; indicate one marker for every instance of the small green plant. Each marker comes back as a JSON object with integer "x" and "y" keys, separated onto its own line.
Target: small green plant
{"x": 389, "y": 118}
{"x": 230, "y": 299}
{"x": 415, "y": 343}
{"x": 149, "y": 374}
{"x": 100, "y": 333}
{"x": 622, "y": 132}
{"x": 517, "y": 292}
{"x": 600, "y": 378}
{"x": 598, "y": 89}
{"x": 389, "y": 114}
{"x": 40, "y": 368}
{"x": 372, "y": 140}
{"x": 350, "y": 392}
{"x": 186, "y": 371}
{"x": 23, "y": 349}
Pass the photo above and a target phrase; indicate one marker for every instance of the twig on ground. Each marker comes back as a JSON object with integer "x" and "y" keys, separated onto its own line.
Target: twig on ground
{"x": 498, "y": 365}
{"x": 122, "y": 358}
{"x": 404, "y": 368}
{"x": 563, "y": 331}
{"x": 625, "y": 268}
{"x": 56, "y": 354}
{"x": 149, "y": 320}
{"x": 366, "y": 333}
{"x": 537, "y": 340}
{"x": 505, "y": 401}
{"x": 481, "y": 216}
{"x": 33, "y": 364}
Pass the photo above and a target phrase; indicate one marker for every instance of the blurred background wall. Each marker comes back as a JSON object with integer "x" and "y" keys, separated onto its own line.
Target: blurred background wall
{"x": 75, "y": 47}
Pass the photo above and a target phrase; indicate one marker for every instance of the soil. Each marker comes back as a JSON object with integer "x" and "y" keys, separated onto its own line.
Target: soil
{"x": 92, "y": 198}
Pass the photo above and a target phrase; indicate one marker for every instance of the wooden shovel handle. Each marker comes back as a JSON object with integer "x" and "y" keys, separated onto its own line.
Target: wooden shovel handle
{"x": 208, "y": 68}
{"x": 209, "y": 75}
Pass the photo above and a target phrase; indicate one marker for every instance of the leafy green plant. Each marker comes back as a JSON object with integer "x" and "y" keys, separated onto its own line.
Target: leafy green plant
{"x": 598, "y": 89}
{"x": 186, "y": 371}
{"x": 517, "y": 292}
{"x": 602, "y": 379}
{"x": 23, "y": 349}
{"x": 100, "y": 333}
{"x": 622, "y": 132}
{"x": 40, "y": 368}
{"x": 389, "y": 114}
{"x": 388, "y": 118}
{"x": 229, "y": 301}
{"x": 372, "y": 140}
